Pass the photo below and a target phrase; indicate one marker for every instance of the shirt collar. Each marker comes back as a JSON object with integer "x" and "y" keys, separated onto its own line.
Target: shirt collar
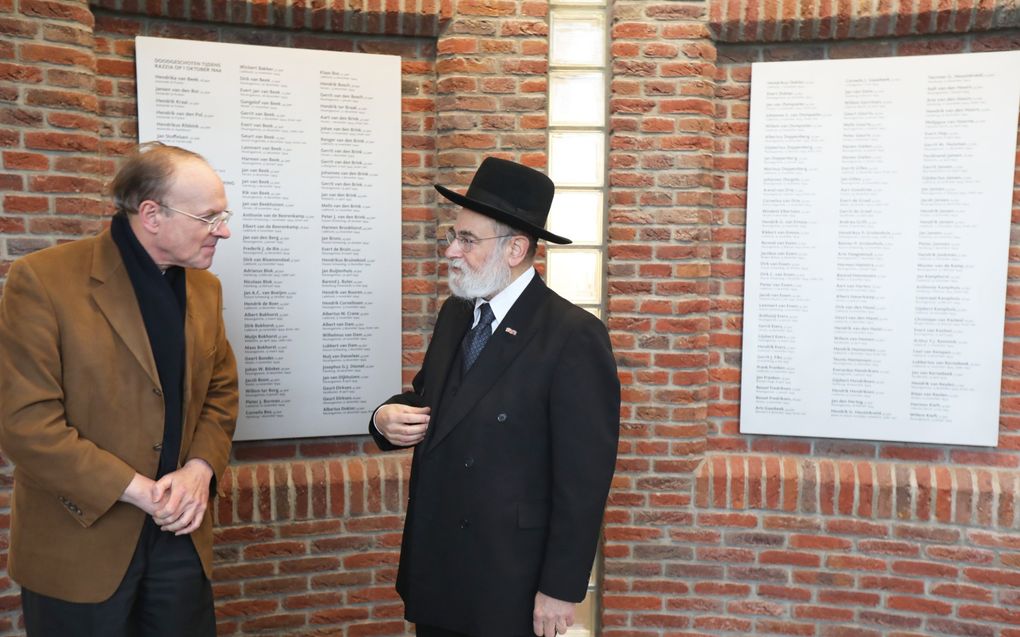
{"x": 502, "y": 302}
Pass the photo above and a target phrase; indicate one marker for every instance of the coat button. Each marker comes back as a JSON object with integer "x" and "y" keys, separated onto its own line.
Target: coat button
{"x": 465, "y": 523}
{"x": 501, "y": 418}
{"x": 157, "y": 391}
{"x": 469, "y": 462}
{"x": 158, "y": 446}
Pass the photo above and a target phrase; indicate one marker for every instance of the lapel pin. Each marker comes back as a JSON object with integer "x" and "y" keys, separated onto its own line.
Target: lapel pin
{"x": 511, "y": 331}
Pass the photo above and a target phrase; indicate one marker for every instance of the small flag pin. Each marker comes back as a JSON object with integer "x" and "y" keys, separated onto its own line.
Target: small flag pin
{"x": 511, "y": 331}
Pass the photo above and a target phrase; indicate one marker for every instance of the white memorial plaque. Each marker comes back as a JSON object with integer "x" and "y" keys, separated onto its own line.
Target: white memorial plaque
{"x": 308, "y": 146}
{"x": 878, "y": 222}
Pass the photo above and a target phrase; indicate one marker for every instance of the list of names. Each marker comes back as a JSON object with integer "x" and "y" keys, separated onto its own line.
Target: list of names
{"x": 308, "y": 146}
{"x": 877, "y": 236}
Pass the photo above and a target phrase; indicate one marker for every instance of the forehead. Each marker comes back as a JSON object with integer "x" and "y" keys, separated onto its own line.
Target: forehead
{"x": 469, "y": 221}
{"x": 195, "y": 180}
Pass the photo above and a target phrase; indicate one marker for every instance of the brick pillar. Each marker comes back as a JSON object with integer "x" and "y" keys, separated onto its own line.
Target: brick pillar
{"x": 491, "y": 87}
{"x": 660, "y": 286}
{"x": 52, "y": 172}
{"x": 49, "y": 126}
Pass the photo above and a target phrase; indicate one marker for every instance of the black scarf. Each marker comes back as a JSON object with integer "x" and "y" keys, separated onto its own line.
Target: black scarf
{"x": 162, "y": 299}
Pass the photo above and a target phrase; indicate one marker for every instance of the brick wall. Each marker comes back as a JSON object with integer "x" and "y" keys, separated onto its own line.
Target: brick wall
{"x": 708, "y": 532}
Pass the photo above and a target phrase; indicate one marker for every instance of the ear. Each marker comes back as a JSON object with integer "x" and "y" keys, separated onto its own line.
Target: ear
{"x": 518, "y": 250}
{"x": 150, "y": 216}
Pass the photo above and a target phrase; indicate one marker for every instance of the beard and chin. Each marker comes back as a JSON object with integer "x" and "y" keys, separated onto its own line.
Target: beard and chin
{"x": 490, "y": 279}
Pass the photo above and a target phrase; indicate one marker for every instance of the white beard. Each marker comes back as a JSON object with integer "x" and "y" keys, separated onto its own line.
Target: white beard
{"x": 489, "y": 280}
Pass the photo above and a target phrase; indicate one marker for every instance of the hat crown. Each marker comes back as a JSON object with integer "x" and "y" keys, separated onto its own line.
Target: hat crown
{"x": 510, "y": 193}
{"x": 513, "y": 187}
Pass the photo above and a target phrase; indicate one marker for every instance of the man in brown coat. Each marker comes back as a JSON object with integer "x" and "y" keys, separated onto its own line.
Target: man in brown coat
{"x": 118, "y": 398}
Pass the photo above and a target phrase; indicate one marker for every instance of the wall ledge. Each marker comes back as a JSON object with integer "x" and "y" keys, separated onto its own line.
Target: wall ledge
{"x": 416, "y": 18}
{"x": 805, "y": 20}
{"x": 969, "y": 496}
{"x": 348, "y": 487}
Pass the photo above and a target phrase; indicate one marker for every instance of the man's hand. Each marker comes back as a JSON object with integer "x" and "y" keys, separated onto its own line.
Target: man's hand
{"x": 402, "y": 425}
{"x": 552, "y": 616}
{"x": 139, "y": 493}
{"x": 184, "y": 496}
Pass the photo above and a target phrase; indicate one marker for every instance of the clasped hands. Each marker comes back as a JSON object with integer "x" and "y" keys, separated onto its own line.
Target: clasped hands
{"x": 177, "y": 501}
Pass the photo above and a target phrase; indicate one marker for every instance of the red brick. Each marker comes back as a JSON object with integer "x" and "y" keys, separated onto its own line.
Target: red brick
{"x": 20, "y": 73}
{"x": 631, "y": 602}
{"x": 963, "y": 591}
{"x": 274, "y": 622}
{"x": 919, "y": 605}
{"x": 337, "y": 616}
{"x": 993, "y": 576}
{"x": 82, "y": 206}
{"x": 14, "y": 160}
{"x": 245, "y": 608}
{"x": 925, "y": 569}
{"x": 311, "y": 600}
{"x": 56, "y": 10}
{"x": 370, "y": 560}
{"x": 364, "y": 630}
{"x": 792, "y": 558}
{"x": 17, "y": 203}
{"x": 274, "y": 549}
{"x": 69, "y": 56}
{"x": 850, "y": 598}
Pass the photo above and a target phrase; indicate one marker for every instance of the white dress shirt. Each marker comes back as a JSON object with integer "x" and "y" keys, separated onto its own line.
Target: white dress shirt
{"x": 504, "y": 300}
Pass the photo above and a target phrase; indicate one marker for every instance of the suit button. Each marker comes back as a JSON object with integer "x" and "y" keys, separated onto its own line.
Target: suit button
{"x": 501, "y": 418}
{"x": 469, "y": 462}
{"x": 158, "y": 446}
{"x": 157, "y": 391}
{"x": 465, "y": 523}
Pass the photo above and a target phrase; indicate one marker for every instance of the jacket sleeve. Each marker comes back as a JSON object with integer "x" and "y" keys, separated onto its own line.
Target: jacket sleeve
{"x": 34, "y": 432}
{"x": 414, "y": 397}
{"x": 218, "y": 418}
{"x": 584, "y": 421}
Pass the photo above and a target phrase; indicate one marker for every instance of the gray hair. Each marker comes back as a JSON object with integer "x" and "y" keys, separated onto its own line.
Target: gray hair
{"x": 507, "y": 234}
{"x": 147, "y": 174}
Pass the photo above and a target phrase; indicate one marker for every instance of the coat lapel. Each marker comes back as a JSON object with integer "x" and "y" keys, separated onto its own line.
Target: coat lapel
{"x": 524, "y": 320}
{"x": 191, "y": 355}
{"x": 115, "y": 298}
{"x": 444, "y": 347}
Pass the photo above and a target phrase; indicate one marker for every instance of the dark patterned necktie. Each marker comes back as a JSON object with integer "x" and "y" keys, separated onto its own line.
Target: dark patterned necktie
{"x": 477, "y": 337}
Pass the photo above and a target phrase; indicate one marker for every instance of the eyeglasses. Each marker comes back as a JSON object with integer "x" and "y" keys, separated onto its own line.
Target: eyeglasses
{"x": 215, "y": 221}
{"x": 466, "y": 241}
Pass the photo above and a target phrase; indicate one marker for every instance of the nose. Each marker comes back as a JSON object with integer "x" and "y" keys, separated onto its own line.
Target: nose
{"x": 453, "y": 250}
{"x": 223, "y": 232}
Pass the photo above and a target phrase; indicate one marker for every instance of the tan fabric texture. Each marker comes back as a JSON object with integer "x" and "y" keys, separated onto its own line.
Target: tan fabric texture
{"x": 81, "y": 410}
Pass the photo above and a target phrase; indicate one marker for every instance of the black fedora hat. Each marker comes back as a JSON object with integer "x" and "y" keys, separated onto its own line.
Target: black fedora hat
{"x": 510, "y": 193}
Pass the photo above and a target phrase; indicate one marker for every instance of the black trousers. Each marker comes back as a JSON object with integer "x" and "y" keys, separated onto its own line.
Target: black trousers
{"x": 163, "y": 594}
{"x": 422, "y": 630}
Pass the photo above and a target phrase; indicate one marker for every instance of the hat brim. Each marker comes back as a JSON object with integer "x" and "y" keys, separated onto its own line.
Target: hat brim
{"x": 502, "y": 216}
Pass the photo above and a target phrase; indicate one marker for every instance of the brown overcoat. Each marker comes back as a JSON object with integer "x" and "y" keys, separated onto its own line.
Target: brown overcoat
{"x": 81, "y": 410}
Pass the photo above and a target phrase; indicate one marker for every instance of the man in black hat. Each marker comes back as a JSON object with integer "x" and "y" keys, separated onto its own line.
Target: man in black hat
{"x": 514, "y": 417}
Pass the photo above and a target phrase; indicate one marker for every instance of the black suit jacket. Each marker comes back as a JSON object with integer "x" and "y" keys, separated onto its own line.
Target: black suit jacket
{"x": 509, "y": 485}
